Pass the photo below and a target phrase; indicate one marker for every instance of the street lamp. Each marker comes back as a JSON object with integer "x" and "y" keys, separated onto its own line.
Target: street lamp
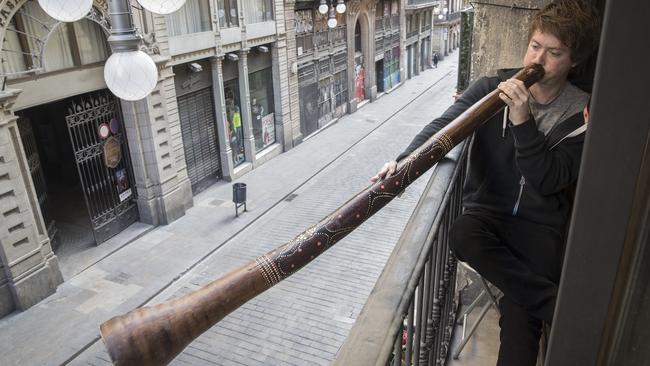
{"x": 334, "y": 6}
{"x": 162, "y": 6}
{"x": 129, "y": 73}
{"x": 66, "y": 10}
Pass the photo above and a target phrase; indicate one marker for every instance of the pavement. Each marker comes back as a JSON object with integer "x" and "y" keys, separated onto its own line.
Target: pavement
{"x": 301, "y": 321}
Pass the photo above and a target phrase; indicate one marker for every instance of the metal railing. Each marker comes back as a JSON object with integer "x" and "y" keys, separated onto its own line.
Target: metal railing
{"x": 321, "y": 38}
{"x": 394, "y": 21}
{"x": 338, "y": 34}
{"x": 305, "y": 40}
{"x": 410, "y": 314}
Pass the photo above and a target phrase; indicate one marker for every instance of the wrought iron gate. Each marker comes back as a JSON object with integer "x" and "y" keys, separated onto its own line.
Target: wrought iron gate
{"x": 198, "y": 127}
{"x": 36, "y": 171}
{"x": 102, "y": 156}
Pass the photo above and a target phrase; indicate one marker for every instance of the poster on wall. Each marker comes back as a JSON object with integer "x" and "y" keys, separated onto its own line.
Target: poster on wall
{"x": 359, "y": 82}
{"x": 268, "y": 129}
{"x": 122, "y": 183}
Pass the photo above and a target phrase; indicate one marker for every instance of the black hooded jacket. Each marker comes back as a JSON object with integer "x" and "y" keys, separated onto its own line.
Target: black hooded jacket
{"x": 515, "y": 170}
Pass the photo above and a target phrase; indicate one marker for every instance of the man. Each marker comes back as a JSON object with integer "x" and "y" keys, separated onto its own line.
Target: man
{"x": 435, "y": 59}
{"x": 521, "y": 163}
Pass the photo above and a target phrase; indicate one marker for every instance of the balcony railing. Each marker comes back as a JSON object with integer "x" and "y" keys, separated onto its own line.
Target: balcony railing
{"x": 455, "y": 16}
{"x": 338, "y": 35}
{"x": 409, "y": 316}
{"x": 321, "y": 39}
{"x": 305, "y": 40}
{"x": 394, "y": 22}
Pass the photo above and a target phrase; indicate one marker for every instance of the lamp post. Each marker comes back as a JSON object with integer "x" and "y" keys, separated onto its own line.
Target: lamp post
{"x": 129, "y": 73}
{"x": 334, "y": 6}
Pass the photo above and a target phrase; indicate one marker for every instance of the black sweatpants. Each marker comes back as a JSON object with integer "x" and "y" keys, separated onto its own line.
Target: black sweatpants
{"x": 523, "y": 260}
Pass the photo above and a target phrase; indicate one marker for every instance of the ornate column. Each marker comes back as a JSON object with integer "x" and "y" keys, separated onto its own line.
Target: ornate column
{"x": 223, "y": 135}
{"x": 372, "y": 72}
{"x": 244, "y": 95}
{"x": 29, "y": 270}
{"x": 281, "y": 93}
{"x": 164, "y": 190}
{"x": 418, "y": 45}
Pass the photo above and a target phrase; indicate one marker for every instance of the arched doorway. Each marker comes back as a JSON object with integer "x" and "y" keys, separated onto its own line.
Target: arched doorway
{"x": 359, "y": 62}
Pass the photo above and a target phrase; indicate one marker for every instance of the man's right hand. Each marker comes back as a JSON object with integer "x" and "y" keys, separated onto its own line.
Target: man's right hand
{"x": 386, "y": 171}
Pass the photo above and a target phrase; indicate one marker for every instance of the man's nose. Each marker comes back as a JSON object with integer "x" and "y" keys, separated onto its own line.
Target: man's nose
{"x": 540, "y": 57}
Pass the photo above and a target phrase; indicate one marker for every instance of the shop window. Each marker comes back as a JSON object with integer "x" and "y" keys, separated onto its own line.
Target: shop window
{"x": 68, "y": 45}
{"x": 227, "y": 13}
{"x": 234, "y": 120}
{"x": 193, "y": 17}
{"x": 257, "y": 11}
{"x": 262, "y": 108}
{"x": 340, "y": 88}
{"x": 324, "y": 98}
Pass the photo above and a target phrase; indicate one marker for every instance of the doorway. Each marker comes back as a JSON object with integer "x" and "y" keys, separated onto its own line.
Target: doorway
{"x": 79, "y": 162}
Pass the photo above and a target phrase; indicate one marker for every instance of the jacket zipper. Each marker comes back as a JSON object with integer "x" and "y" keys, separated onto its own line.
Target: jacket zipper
{"x": 522, "y": 182}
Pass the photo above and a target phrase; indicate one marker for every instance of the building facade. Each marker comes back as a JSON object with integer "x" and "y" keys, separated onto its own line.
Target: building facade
{"x": 239, "y": 82}
{"x": 446, "y": 32}
{"x": 76, "y": 163}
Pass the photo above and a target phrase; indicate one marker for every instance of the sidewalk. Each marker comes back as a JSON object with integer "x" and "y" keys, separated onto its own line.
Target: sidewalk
{"x": 303, "y": 320}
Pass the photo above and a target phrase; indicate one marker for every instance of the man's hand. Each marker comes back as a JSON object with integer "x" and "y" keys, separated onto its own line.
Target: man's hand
{"x": 515, "y": 95}
{"x": 386, "y": 171}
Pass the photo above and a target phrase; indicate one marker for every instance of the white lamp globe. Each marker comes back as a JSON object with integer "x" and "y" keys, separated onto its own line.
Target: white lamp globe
{"x": 340, "y": 8}
{"x": 162, "y": 6}
{"x": 66, "y": 10}
{"x": 440, "y": 16}
{"x": 331, "y": 22}
{"x": 322, "y": 8}
{"x": 130, "y": 75}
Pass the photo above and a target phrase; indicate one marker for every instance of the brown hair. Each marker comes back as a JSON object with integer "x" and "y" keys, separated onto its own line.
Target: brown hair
{"x": 574, "y": 22}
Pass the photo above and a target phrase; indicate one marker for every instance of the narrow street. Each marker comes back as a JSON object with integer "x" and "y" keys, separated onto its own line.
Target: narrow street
{"x": 304, "y": 319}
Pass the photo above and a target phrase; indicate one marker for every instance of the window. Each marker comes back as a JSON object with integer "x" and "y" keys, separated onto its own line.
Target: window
{"x": 227, "y": 13}
{"x": 193, "y": 17}
{"x": 69, "y": 45}
{"x": 234, "y": 120}
{"x": 262, "y": 110}
{"x": 257, "y": 11}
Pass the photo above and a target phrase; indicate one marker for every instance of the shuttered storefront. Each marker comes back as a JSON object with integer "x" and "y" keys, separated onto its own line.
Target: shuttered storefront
{"x": 196, "y": 112}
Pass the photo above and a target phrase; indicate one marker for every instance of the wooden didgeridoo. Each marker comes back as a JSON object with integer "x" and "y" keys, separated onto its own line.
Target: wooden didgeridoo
{"x": 154, "y": 335}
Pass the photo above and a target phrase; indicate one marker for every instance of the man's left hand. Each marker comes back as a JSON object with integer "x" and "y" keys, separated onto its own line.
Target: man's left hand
{"x": 515, "y": 95}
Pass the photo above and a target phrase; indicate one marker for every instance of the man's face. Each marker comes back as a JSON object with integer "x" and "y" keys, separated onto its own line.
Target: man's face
{"x": 545, "y": 49}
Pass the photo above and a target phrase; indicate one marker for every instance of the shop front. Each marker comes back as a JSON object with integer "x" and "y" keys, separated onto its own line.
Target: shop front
{"x": 196, "y": 113}
{"x": 260, "y": 81}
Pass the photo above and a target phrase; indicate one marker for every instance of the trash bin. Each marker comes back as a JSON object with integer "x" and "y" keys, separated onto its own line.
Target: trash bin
{"x": 239, "y": 196}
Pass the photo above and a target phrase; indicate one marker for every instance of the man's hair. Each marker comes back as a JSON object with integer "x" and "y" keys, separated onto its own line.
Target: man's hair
{"x": 574, "y": 22}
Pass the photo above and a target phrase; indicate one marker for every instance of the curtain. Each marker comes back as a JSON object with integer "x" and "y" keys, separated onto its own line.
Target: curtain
{"x": 91, "y": 41}
{"x": 256, "y": 11}
{"x": 193, "y": 17}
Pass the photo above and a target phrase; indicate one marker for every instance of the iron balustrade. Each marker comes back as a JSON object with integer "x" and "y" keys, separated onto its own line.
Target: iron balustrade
{"x": 410, "y": 314}
{"x": 321, "y": 38}
{"x": 337, "y": 35}
{"x": 394, "y": 22}
{"x": 304, "y": 40}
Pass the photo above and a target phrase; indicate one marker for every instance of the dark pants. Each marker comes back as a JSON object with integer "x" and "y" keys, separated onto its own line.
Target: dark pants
{"x": 523, "y": 260}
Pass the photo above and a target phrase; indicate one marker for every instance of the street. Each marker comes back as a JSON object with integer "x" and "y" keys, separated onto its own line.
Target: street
{"x": 304, "y": 319}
